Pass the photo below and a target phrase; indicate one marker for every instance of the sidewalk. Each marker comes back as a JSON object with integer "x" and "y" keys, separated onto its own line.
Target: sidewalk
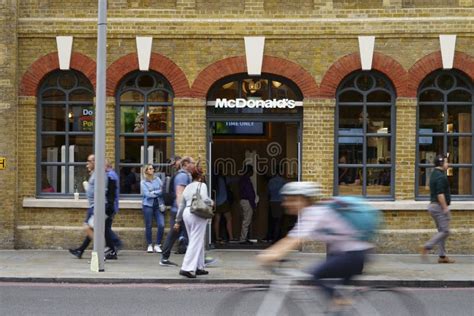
{"x": 232, "y": 267}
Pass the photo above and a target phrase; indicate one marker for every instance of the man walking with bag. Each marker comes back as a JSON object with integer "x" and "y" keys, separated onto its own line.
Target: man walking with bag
{"x": 440, "y": 198}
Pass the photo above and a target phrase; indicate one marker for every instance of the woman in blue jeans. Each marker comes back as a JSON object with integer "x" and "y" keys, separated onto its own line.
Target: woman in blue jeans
{"x": 153, "y": 207}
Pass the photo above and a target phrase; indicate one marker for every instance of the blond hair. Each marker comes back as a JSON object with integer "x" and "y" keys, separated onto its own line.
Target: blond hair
{"x": 146, "y": 175}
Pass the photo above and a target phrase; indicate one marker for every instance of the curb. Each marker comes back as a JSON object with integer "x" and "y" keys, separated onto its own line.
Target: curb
{"x": 372, "y": 283}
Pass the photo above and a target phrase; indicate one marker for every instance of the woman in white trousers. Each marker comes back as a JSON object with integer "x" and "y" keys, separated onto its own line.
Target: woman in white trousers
{"x": 193, "y": 262}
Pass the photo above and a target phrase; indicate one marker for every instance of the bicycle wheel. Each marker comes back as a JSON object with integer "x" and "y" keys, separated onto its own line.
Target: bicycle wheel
{"x": 387, "y": 301}
{"x": 258, "y": 300}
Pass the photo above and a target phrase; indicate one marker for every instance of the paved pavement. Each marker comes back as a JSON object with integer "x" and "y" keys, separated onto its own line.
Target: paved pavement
{"x": 232, "y": 267}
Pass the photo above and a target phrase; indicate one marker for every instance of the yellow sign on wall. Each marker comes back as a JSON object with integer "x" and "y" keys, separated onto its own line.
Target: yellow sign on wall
{"x": 3, "y": 163}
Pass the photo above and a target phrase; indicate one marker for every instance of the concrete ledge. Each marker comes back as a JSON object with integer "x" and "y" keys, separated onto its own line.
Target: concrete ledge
{"x": 71, "y": 203}
{"x": 402, "y": 205}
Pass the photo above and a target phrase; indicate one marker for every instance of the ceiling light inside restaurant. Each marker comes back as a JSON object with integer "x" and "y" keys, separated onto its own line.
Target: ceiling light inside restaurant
{"x": 276, "y": 84}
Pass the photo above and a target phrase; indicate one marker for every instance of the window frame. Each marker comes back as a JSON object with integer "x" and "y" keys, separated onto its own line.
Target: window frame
{"x": 458, "y": 75}
{"x": 392, "y": 135}
{"x": 145, "y": 134}
{"x": 67, "y": 104}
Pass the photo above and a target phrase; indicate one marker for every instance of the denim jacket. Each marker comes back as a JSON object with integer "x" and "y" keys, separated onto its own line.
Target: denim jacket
{"x": 152, "y": 190}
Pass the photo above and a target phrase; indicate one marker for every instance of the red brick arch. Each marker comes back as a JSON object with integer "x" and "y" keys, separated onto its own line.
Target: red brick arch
{"x": 238, "y": 64}
{"x": 349, "y": 63}
{"x": 159, "y": 63}
{"x": 41, "y": 67}
{"x": 426, "y": 65}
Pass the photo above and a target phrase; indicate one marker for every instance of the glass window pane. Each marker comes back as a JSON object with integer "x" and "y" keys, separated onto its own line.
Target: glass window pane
{"x": 379, "y": 119}
{"x": 365, "y": 82}
{"x": 431, "y": 119}
{"x": 378, "y": 177}
{"x": 80, "y": 175}
{"x": 378, "y": 150}
{"x": 351, "y": 183}
{"x": 346, "y": 175}
{"x": 282, "y": 91}
{"x": 67, "y": 80}
{"x": 429, "y": 147}
{"x": 132, "y": 96}
{"x": 381, "y": 83}
{"x": 431, "y": 96}
{"x": 379, "y": 96}
{"x": 54, "y": 118}
{"x": 424, "y": 180}
{"x": 53, "y": 148}
{"x": 81, "y": 95}
{"x": 159, "y": 119}
{"x": 257, "y": 89}
{"x": 53, "y": 95}
{"x": 460, "y": 180}
{"x": 351, "y": 149}
{"x": 459, "y": 119}
{"x": 50, "y": 179}
{"x": 131, "y": 119}
{"x": 131, "y": 149}
{"x": 460, "y": 96}
{"x": 459, "y": 149}
{"x": 227, "y": 91}
{"x": 350, "y": 96}
{"x": 445, "y": 81}
{"x": 130, "y": 180}
{"x": 145, "y": 82}
{"x": 160, "y": 149}
{"x": 82, "y": 146}
{"x": 350, "y": 120}
{"x": 159, "y": 96}
{"x": 81, "y": 118}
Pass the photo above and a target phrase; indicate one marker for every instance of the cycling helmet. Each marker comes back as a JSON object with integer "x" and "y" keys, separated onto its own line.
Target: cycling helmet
{"x": 306, "y": 189}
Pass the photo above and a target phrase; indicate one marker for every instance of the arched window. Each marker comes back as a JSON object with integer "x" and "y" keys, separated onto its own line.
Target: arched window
{"x": 145, "y": 128}
{"x": 65, "y": 132}
{"x": 265, "y": 87}
{"x": 445, "y": 126}
{"x": 364, "y": 129}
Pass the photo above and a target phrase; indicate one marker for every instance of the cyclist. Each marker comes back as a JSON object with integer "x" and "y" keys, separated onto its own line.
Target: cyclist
{"x": 346, "y": 254}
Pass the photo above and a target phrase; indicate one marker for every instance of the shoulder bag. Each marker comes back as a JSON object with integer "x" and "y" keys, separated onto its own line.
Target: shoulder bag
{"x": 199, "y": 207}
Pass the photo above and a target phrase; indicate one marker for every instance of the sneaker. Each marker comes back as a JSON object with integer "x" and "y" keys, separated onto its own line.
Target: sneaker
{"x": 167, "y": 263}
{"x": 157, "y": 249}
{"x": 187, "y": 274}
{"x": 446, "y": 260}
{"x": 111, "y": 256}
{"x": 107, "y": 250}
{"x": 209, "y": 261}
{"x": 201, "y": 272}
{"x": 150, "y": 248}
{"x": 76, "y": 252}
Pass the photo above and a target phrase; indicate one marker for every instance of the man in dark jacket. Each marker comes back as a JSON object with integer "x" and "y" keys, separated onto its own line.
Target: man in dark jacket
{"x": 440, "y": 198}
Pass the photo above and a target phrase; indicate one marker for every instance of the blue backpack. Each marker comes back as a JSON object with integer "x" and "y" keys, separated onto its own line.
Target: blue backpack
{"x": 365, "y": 218}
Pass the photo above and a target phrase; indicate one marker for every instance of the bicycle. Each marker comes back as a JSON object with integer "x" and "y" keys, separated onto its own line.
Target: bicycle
{"x": 291, "y": 293}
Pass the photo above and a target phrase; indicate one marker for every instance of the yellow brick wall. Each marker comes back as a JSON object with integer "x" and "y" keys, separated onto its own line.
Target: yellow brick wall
{"x": 405, "y": 149}
{"x": 8, "y": 122}
{"x": 318, "y": 33}
{"x": 190, "y": 128}
{"x": 318, "y": 143}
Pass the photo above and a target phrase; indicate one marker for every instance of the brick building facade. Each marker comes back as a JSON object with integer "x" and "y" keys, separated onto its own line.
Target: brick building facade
{"x": 196, "y": 43}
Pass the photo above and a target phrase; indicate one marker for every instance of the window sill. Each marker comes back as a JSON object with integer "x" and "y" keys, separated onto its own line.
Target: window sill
{"x": 71, "y": 203}
{"x": 403, "y": 205}
{"x": 411, "y": 205}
